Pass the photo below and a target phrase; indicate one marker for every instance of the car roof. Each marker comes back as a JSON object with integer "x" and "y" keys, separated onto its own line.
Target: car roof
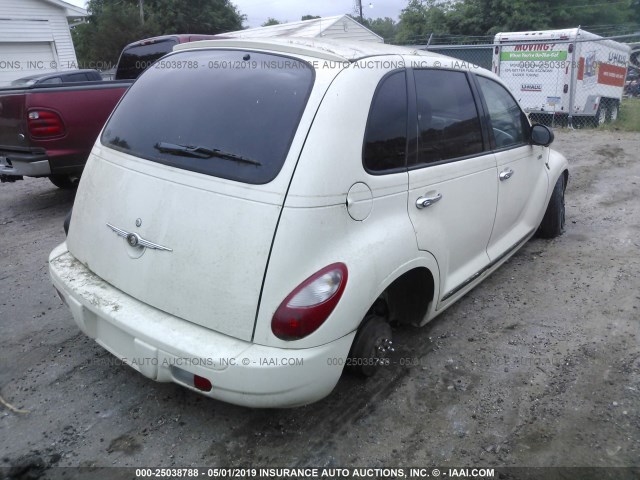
{"x": 336, "y": 50}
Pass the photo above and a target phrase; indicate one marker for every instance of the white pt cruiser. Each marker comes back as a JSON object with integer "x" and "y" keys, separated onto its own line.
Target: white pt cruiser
{"x": 256, "y": 213}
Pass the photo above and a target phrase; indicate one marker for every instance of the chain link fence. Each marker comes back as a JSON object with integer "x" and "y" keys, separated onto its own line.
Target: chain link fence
{"x": 576, "y": 79}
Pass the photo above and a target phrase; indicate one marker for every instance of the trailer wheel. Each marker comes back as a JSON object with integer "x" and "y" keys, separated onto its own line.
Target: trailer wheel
{"x": 613, "y": 112}
{"x": 601, "y": 115}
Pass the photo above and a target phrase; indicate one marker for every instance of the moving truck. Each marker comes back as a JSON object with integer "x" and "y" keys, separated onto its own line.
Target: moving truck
{"x": 568, "y": 74}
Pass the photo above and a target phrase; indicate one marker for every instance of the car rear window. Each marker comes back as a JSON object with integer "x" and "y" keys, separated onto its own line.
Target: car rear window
{"x": 135, "y": 60}
{"x": 230, "y": 114}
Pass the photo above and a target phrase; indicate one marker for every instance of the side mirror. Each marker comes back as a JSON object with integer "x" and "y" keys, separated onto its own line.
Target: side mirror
{"x": 541, "y": 135}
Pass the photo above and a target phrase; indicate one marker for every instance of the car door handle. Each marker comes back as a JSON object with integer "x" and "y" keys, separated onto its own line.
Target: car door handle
{"x": 506, "y": 175}
{"x": 424, "y": 202}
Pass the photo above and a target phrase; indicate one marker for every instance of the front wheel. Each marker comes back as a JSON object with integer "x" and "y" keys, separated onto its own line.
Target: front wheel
{"x": 553, "y": 222}
{"x": 65, "y": 182}
{"x": 371, "y": 347}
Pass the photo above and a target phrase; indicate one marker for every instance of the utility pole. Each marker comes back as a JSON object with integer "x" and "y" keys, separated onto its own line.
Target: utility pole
{"x": 359, "y": 4}
{"x": 141, "y": 2}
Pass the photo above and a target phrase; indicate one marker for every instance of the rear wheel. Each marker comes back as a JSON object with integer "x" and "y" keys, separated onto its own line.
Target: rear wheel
{"x": 601, "y": 116}
{"x": 553, "y": 223}
{"x": 371, "y": 347}
{"x": 65, "y": 182}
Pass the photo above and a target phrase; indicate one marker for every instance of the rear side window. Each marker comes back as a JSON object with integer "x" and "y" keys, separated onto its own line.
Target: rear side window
{"x": 76, "y": 77}
{"x": 216, "y": 114}
{"x": 386, "y": 135}
{"x": 52, "y": 80}
{"x": 448, "y": 122}
{"x": 134, "y": 60}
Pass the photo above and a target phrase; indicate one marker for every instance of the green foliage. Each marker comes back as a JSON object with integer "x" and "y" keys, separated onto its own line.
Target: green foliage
{"x": 628, "y": 118}
{"x": 386, "y": 27}
{"x": 309, "y": 17}
{"x": 271, "y": 21}
{"x": 112, "y": 25}
{"x": 420, "y": 18}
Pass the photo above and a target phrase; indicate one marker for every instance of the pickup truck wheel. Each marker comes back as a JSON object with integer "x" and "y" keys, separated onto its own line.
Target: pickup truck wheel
{"x": 371, "y": 347}
{"x": 65, "y": 182}
{"x": 554, "y": 218}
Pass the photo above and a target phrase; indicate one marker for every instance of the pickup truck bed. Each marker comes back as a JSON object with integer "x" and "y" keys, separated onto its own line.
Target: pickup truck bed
{"x": 48, "y": 131}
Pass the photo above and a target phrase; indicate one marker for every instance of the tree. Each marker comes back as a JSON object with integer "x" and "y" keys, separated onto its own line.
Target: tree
{"x": 108, "y": 29}
{"x": 271, "y": 21}
{"x": 386, "y": 27}
{"x": 419, "y": 19}
{"x": 309, "y": 17}
{"x": 112, "y": 25}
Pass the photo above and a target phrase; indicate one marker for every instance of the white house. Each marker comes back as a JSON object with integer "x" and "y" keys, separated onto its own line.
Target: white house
{"x": 341, "y": 27}
{"x": 35, "y": 37}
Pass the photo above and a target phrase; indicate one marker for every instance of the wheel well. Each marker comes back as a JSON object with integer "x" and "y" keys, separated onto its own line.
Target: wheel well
{"x": 408, "y": 298}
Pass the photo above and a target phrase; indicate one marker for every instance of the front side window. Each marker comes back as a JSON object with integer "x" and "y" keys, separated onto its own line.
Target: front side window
{"x": 385, "y": 141}
{"x": 208, "y": 112}
{"x": 448, "y": 122}
{"x": 508, "y": 122}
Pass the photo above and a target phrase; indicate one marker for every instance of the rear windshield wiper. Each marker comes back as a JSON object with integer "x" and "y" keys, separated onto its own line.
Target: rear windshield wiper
{"x": 202, "y": 152}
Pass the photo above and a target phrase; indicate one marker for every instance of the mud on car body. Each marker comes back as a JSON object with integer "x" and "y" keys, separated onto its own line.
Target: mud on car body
{"x": 232, "y": 219}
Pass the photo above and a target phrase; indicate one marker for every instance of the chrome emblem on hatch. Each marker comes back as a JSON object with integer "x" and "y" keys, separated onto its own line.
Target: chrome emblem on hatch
{"x": 135, "y": 240}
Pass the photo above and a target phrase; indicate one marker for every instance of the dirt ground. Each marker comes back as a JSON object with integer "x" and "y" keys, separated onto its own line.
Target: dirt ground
{"x": 538, "y": 366}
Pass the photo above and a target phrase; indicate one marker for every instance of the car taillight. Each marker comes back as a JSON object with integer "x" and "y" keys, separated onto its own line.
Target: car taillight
{"x": 45, "y": 123}
{"x": 310, "y": 304}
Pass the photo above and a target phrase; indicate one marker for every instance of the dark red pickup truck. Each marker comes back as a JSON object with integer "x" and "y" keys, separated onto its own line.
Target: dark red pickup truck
{"x": 49, "y": 130}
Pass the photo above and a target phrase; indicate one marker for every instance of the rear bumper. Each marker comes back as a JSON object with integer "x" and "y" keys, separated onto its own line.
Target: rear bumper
{"x": 27, "y": 163}
{"x": 168, "y": 349}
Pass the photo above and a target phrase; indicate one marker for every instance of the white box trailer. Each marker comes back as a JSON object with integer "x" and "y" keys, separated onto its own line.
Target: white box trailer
{"x": 568, "y": 73}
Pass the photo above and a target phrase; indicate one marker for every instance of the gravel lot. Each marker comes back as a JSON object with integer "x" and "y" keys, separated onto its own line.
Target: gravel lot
{"x": 538, "y": 366}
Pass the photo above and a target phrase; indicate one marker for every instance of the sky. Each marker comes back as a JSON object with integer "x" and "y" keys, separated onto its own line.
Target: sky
{"x": 258, "y": 11}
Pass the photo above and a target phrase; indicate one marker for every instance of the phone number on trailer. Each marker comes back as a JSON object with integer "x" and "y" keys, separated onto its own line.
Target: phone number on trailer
{"x": 195, "y": 472}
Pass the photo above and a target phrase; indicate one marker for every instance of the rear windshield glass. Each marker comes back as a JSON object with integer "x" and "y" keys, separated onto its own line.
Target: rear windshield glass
{"x": 134, "y": 60}
{"x": 230, "y": 114}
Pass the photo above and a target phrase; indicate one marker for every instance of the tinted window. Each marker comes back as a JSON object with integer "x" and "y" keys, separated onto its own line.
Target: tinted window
{"x": 76, "y": 77}
{"x": 51, "y": 80}
{"x": 235, "y": 118}
{"x": 134, "y": 60}
{"x": 508, "y": 122}
{"x": 448, "y": 123}
{"x": 386, "y": 134}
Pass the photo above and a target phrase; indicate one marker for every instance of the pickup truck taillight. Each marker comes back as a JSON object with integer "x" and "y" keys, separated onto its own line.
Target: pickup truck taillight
{"x": 45, "y": 124}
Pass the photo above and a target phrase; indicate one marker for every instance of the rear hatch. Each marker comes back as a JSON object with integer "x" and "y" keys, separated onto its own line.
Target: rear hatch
{"x": 196, "y": 158}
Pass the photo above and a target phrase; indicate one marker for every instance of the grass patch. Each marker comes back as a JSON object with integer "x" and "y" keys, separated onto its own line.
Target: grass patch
{"x": 628, "y": 117}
